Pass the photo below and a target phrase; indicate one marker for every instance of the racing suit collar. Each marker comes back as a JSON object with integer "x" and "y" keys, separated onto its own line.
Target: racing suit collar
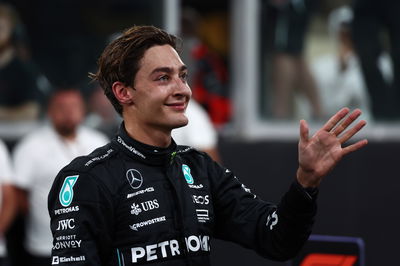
{"x": 147, "y": 153}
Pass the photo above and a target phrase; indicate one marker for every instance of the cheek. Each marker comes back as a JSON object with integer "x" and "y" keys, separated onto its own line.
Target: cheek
{"x": 77, "y": 115}
{"x": 150, "y": 102}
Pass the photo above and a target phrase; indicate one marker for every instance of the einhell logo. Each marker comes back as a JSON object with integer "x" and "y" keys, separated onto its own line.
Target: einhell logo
{"x": 320, "y": 259}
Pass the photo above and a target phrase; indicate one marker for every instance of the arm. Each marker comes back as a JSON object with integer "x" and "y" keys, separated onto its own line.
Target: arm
{"x": 273, "y": 231}
{"x": 8, "y": 209}
{"x": 84, "y": 221}
{"x": 279, "y": 231}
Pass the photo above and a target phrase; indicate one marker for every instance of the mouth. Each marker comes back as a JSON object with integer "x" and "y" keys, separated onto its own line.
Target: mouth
{"x": 178, "y": 106}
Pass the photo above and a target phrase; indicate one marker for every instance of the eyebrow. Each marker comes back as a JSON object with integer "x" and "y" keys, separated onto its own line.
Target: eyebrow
{"x": 168, "y": 69}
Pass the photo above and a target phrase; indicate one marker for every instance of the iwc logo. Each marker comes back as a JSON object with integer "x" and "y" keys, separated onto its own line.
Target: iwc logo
{"x": 134, "y": 177}
{"x": 67, "y": 193}
{"x": 186, "y": 173}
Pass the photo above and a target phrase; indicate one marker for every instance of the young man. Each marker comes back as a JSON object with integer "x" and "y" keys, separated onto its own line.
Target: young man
{"x": 142, "y": 199}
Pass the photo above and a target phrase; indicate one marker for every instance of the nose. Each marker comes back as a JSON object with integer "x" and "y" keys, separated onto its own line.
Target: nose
{"x": 182, "y": 88}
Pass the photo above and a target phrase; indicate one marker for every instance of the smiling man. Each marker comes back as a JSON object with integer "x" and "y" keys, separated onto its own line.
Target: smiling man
{"x": 157, "y": 99}
{"x": 143, "y": 199}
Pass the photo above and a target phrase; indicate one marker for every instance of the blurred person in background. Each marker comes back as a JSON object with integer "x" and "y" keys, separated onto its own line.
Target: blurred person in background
{"x": 40, "y": 155}
{"x": 21, "y": 87}
{"x": 338, "y": 75}
{"x": 376, "y": 28}
{"x": 8, "y": 200}
{"x": 287, "y": 24}
{"x": 101, "y": 115}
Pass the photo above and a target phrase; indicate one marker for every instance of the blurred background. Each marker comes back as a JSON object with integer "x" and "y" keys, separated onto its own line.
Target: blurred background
{"x": 256, "y": 68}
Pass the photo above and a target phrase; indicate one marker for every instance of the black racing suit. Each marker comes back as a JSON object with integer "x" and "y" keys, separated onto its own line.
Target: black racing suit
{"x": 128, "y": 203}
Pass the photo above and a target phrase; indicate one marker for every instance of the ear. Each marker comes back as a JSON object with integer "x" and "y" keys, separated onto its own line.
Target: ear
{"x": 122, "y": 92}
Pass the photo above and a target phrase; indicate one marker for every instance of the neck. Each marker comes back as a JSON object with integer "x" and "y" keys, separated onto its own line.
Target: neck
{"x": 148, "y": 135}
{"x": 69, "y": 138}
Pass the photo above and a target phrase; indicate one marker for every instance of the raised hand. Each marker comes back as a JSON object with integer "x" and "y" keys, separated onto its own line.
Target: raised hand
{"x": 319, "y": 154}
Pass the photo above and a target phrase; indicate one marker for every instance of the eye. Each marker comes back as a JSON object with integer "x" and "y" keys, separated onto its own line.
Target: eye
{"x": 184, "y": 76}
{"x": 163, "y": 78}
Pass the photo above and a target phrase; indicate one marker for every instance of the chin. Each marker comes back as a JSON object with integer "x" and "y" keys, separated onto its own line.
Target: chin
{"x": 181, "y": 123}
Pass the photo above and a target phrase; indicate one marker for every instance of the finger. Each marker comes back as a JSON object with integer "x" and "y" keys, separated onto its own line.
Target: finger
{"x": 335, "y": 119}
{"x": 351, "y": 132}
{"x": 356, "y": 146}
{"x": 304, "y": 131}
{"x": 350, "y": 119}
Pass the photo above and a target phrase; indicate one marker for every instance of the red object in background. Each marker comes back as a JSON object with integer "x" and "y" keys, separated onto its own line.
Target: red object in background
{"x": 328, "y": 250}
{"x": 318, "y": 259}
{"x": 210, "y": 85}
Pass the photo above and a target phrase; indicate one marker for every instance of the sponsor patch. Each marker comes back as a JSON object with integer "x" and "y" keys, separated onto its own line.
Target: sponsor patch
{"x": 272, "y": 220}
{"x": 67, "y": 192}
{"x": 186, "y": 173}
{"x": 136, "y": 209}
{"x": 199, "y": 186}
{"x": 170, "y": 248}
{"x": 200, "y": 199}
{"x": 57, "y": 259}
{"x": 65, "y": 244}
{"x": 137, "y": 226}
{"x": 146, "y": 190}
{"x": 130, "y": 148}
{"x": 202, "y": 215}
{"x": 66, "y": 237}
{"x": 135, "y": 178}
{"x": 66, "y": 224}
{"x": 66, "y": 210}
{"x": 101, "y": 157}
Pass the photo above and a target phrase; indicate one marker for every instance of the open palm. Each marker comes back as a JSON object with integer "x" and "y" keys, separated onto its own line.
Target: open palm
{"x": 319, "y": 154}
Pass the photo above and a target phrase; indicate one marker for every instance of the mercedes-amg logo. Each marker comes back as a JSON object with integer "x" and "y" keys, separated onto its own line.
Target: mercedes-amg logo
{"x": 134, "y": 177}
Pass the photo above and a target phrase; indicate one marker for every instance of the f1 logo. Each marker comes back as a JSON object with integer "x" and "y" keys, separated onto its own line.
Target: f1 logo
{"x": 317, "y": 259}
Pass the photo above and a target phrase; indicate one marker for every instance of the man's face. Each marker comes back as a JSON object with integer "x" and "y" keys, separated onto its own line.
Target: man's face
{"x": 161, "y": 92}
{"x": 66, "y": 112}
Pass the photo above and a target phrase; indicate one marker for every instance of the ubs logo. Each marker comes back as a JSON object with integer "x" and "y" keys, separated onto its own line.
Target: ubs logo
{"x": 135, "y": 178}
{"x": 136, "y": 209}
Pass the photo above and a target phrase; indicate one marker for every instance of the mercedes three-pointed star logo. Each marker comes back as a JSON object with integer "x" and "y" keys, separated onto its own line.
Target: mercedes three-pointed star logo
{"x": 134, "y": 177}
